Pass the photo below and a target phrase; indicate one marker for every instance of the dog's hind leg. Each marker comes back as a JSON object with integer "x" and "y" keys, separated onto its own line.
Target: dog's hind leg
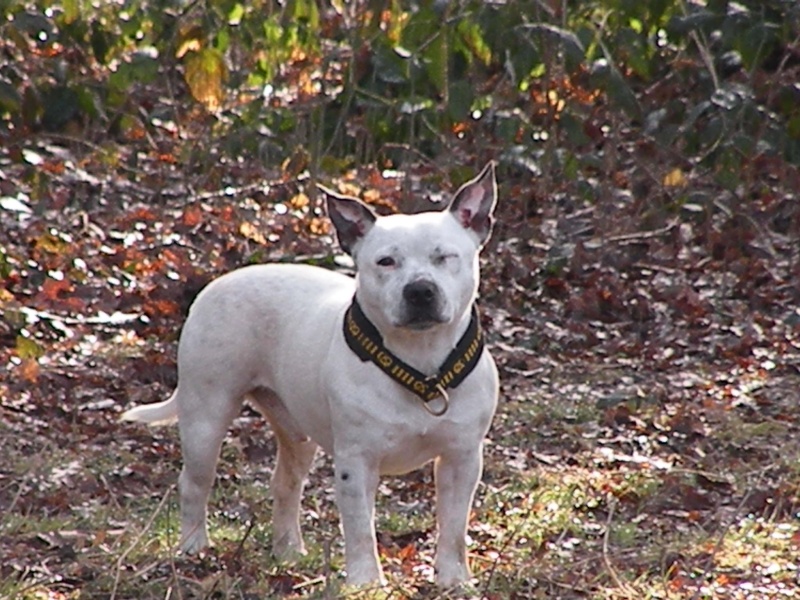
{"x": 288, "y": 479}
{"x": 202, "y": 432}
{"x": 295, "y": 456}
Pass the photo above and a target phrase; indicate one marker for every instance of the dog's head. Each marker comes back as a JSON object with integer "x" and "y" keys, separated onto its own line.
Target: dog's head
{"x": 418, "y": 271}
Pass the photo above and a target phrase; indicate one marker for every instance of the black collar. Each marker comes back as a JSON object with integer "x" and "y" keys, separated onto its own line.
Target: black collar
{"x": 365, "y": 340}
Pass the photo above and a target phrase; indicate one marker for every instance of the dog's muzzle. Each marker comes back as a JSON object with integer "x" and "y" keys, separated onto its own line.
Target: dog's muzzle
{"x": 422, "y": 308}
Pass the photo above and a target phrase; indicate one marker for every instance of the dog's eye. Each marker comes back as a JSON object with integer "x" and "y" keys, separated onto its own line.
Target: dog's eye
{"x": 386, "y": 261}
{"x": 440, "y": 259}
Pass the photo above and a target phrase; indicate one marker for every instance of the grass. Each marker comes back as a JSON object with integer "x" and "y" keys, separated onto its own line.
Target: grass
{"x": 579, "y": 500}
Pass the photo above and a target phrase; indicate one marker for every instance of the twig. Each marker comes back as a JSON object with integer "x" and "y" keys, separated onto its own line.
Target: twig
{"x": 310, "y": 582}
{"x": 31, "y": 473}
{"x": 642, "y": 235}
{"x": 622, "y": 585}
{"x": 708, "y": 569}
{"x": 172, "y": 566}
{"x": 212, "y": 591}
{"x": 79, "y": 141}
{"x": 495, "y": 563}
{"x": 705, "y": 52}
{"x": 419, "y": 154}
{"x": 571, "y": 587}
{"x": 240, "y": 547}
{"x": 116, "y": 318}
{"x": 349, "y": 93}
{"x": 110, "y": 491}
{"x": 657, "y": 268}
{"x": 326, "y": 553}
{"x": 138, "y": 538}
{"x": 229, "y": 191}
{"x": 20, "y": 489}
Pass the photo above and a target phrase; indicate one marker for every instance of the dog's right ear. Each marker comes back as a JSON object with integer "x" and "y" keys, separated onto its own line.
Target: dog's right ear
{"x": 351, "y": 218}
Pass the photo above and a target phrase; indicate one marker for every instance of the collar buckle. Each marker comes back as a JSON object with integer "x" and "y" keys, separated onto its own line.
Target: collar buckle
{"x": 433, "y": 381}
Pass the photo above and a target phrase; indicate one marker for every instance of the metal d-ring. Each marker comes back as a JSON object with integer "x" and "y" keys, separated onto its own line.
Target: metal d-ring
{"x": 445, "y": 397}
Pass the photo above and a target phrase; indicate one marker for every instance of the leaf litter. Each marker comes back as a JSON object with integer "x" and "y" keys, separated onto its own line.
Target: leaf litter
{"x": 649, "y": 357}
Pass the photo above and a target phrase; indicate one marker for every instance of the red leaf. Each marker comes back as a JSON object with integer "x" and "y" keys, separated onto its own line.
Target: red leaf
{"x": 192, "y": 215}
{"x": 29, "y": 370}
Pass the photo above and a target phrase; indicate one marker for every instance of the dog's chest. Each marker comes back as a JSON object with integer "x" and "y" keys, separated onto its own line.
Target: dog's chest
{"x": 407, "y": 445}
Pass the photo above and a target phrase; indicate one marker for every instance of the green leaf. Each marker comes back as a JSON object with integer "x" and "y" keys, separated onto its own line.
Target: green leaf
{"x": 142, "y": 68}
{"x": 223, "y": 40}
{"x": 33, "y": 23}
{"x": 205, "y": 75}
{"x": 572, "y": 45}
{"x": 460, "y": 99}
{"x": 99, "y": 42}
{"x": 608, "y": 78}
{"x": 636, "y": 52}
{"x": 61, "y": 104}
{"x": 571, "y": 167}
{"x": 757, "y": 43}
{"x": 31, "y": 106}
{"x": 435, "y": 58}
{"x": 573, "y": 128}
{"x": 680, "y": 26}
{"x": 10, "y": 100}
{"x": 389, "y": 67}
{"x": 793, "y": 128}
{"x": 472, "y": 38}
{"x": 304, "y": 11}
{"x": 728, "y": 171}
{"x": 72, "y": 10}
{"x": 87, "y": 102}
{"x": 236, "y": 14}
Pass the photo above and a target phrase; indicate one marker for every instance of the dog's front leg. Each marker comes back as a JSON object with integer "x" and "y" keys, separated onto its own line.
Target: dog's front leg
{"x": 356, "y": 484}
{"x": 457, "y": 476}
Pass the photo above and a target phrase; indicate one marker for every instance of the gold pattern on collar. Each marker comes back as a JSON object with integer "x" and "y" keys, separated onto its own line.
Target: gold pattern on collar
{"x": 365, "y": 340}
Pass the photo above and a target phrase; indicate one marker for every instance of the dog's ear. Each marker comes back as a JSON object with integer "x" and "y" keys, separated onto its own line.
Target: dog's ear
{"x": 351, "y": 218}
{"x": 474, "y": 202}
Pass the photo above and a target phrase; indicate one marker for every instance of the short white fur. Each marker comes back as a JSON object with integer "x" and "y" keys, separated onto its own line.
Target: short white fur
{"x": 272, "y": 334}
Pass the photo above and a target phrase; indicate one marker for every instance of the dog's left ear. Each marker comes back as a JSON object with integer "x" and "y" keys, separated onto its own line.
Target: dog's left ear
{"x": 351, "y": 218}
{"x": 474, "y": 202}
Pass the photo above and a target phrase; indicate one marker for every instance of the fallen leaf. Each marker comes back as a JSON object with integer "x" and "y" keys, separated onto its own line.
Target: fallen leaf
{"x": 252, "y": 232}
{"x": 27, "y": 348}
{"x": 29, "y": 370}
{"x": 675, "y": 178}
{"x": 192, "y": 215}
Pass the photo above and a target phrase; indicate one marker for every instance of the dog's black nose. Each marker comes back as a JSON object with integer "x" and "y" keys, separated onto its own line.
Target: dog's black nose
{"x": 420, "y": 294}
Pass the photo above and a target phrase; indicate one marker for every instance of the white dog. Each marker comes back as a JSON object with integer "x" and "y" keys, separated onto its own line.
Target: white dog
{"x": 385, "y": 372}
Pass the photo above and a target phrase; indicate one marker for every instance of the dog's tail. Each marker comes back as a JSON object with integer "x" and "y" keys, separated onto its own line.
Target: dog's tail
{"x": 159, "y": 413}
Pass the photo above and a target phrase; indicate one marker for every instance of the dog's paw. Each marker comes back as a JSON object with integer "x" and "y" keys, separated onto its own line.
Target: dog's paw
{"x": 450, "y": 576}
{"x": 366, "y": 576}
{"x": 288, "y": 548}
{"x": 466, "y": 590}
{"x": 195, "y": 543}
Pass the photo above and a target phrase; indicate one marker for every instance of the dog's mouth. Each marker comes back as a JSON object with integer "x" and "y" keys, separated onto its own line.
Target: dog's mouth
{"x": 420, "y": 321}
{"x": 420, "y": 325}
